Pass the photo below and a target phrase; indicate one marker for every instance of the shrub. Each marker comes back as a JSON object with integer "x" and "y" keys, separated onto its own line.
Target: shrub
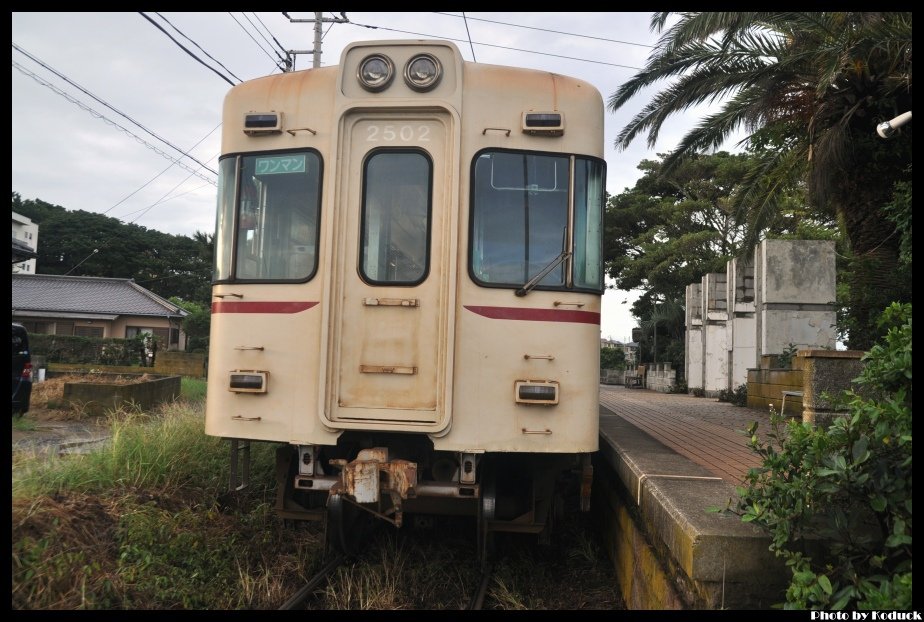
{"x": 99, "y": 351}
{"x": 789, "y": 353}
{"x": 739, "y": 397}
{"x": 845, "y": 488}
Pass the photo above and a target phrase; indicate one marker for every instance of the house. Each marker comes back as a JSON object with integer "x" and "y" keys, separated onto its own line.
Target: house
{"x": 630, "y": 349}
{"x": 86, "y": 306}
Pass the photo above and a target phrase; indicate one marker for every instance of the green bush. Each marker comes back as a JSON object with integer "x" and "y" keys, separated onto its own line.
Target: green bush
{"x": 789, "y": 353}
{"x": 736, "y": 397}
{"x": 837, "y": 500}
{"x": 612, "y": 358}
{"x": 97, "y": 351}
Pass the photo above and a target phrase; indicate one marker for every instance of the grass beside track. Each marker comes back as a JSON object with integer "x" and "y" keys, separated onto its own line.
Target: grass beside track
{"x": 145, "y": 522}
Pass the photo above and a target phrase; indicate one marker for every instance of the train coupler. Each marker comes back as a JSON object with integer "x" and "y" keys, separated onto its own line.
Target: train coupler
{"x": 371, "y": 476}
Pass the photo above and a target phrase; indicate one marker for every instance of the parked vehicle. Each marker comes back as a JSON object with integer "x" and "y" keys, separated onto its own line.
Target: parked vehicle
{"x": 22, "y": 370}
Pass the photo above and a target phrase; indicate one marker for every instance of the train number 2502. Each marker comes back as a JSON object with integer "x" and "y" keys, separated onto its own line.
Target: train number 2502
{"x": 398, "y": 133}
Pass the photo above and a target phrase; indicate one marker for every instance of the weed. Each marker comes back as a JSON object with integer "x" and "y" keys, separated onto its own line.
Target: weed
{"x": 23, "y": 423}
{"x": 193, "y": 389}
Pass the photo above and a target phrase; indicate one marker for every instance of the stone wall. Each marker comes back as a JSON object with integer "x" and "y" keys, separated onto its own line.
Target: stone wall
{"x": 820, "y": 375}
{"x": 827, "y": 374}
{"x": 660, "y": 377}
{"x": 166, "y": 364}
{"x": 180, "y": 364}
{"x": 95, "y": 398}
{"x": 767, "y": 383}
{"x": 612, "y": 376}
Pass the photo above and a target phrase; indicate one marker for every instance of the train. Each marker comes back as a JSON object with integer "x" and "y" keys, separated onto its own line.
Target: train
{"x": 407, "y": 286}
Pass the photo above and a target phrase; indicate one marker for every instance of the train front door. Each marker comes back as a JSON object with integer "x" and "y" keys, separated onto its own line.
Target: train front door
{"x": 391, "y": 320}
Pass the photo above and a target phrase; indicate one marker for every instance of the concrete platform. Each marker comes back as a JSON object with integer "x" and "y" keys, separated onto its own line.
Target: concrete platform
{"x": 669, "y": 461}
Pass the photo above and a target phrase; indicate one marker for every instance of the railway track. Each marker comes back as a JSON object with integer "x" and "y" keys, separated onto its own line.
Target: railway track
{"x": 435, "y": 567}
{"x": 301, "y": 597}
{"x": 298, "y": 600}
{"x": 476, "y": 603}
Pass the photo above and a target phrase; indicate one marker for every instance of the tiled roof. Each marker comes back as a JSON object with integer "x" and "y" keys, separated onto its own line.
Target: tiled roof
{"x": 82, "y": 294}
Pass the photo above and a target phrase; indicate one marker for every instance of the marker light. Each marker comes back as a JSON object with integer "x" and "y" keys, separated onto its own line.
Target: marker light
{"x": 536, "y": 392}
{"x": 376, "y": 72}
{"x": 261, "y": 123}
{"x": 247, "y": 381}
{"x": 423, "y": 72}
{"x": 547, "y": 123}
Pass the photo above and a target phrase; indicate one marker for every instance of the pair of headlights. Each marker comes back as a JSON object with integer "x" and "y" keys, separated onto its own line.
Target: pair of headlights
{"x": 422, "y": 72}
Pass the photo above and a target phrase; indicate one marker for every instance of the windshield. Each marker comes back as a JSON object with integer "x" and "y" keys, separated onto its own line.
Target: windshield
{"x": 267, "y": 225}
{"x": 522, "y": 224}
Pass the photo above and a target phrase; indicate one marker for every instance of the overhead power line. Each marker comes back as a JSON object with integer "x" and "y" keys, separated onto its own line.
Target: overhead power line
{"x": 148, "y": 182}
{"x": 469, "y": 35}
{"x": 197, "y": 45}
{"x": 286, "y": 63}
{"x": 278, "y": 47}
{"x": 187, "y": 50}
{"x": 107, "y": 105}
{"x": 492, "y": 45}
{"x": 104, "y": 119}
{"x": 557, "y": 32}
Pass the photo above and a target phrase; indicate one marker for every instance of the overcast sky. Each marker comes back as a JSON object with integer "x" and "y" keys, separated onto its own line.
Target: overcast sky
{"x": 106, "y": 98}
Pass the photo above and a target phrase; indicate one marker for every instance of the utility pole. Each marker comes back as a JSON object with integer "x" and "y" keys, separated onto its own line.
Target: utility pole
{"x": 318, "y": 21}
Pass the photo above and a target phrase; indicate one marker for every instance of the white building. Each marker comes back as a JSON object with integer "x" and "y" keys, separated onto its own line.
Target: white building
{"x": 25, "y": 232}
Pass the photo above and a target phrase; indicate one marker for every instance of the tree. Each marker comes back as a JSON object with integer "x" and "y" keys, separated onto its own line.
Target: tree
{"x": 80, "y": 243}
{"x": 612, "y": 358}
{"x": 196, "y": 325}
{"x": 674, "y": 226}
{"x": 810, "y": 88}
{"x": 662, "y": 333}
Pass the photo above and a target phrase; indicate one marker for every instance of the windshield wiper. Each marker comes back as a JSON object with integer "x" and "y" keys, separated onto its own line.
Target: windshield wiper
{"x": 535, "y": 280}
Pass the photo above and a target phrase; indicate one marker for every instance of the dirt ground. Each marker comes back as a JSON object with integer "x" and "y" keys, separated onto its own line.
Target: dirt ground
{"x": 55, "y": 429}
{"x": 48, "y": 433}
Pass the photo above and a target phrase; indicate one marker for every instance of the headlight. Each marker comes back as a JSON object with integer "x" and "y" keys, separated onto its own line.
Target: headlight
{"x": 423, "y": 72}
{"x": 376, "y": 72}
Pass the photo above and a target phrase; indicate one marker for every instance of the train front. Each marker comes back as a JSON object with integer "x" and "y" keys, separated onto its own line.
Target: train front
{"x": 407, "y": 286}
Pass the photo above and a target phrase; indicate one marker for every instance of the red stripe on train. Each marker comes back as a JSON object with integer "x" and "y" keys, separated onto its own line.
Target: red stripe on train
{"x": 234, "y": 306}
{"x": 536, "y": 315}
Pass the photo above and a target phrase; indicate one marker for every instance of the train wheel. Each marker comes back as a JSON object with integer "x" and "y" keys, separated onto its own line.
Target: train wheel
{"x": 346, "y": 525}
{"x": 486, "y": 513}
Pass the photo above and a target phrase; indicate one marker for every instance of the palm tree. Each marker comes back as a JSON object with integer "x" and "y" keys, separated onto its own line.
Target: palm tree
{"x": 809, "y": 89}
{"x": 667, "y": 319}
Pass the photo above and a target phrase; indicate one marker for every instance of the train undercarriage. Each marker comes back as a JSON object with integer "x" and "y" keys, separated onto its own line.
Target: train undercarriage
{"x": 391, "y": 478}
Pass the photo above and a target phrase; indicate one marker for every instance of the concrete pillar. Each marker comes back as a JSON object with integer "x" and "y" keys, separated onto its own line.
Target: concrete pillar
{"x": 715, "y": 348}
{"x": 693, "y": 359}
{"x": 741, "y": 327}
{"x": 795, "y": 294}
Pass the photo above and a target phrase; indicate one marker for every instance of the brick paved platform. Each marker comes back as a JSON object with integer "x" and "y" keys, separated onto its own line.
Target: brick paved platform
{"x": 707, "y": 432}
{"x": 668, "y": 466}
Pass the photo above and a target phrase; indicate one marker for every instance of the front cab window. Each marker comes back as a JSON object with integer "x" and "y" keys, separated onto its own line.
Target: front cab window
{"x": 268, "y": 215}
{"x": 522, "y": 221}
